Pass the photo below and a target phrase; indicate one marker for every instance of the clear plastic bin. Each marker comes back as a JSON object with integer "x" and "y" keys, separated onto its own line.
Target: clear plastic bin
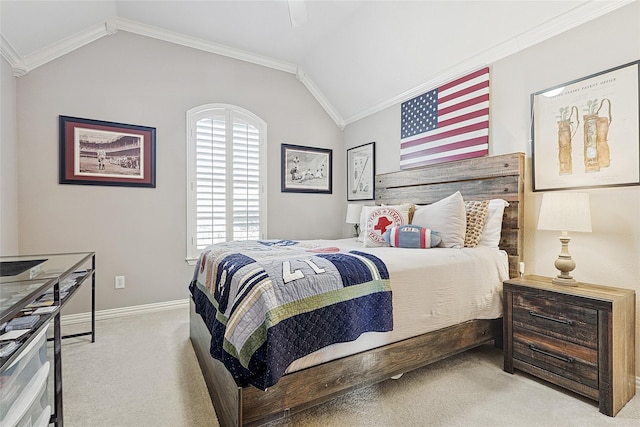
{"x": 18, "y": 377}
{"x": 31, "y": 402}
{"x": 34, "y": 402}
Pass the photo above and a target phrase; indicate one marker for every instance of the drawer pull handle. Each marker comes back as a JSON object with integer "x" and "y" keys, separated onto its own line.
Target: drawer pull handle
{"x": 555, "y": 356}
{"x": 553, "y": 319}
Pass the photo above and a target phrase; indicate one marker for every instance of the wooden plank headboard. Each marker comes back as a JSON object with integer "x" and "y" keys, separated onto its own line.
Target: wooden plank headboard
{"x": 481, "y": 178}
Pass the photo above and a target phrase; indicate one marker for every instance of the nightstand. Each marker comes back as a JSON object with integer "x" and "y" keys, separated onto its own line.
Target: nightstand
{"x": 580, "y": 337}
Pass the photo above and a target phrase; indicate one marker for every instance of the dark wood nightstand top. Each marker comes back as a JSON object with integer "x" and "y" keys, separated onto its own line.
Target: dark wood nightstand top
{"x": 584, "y": 290}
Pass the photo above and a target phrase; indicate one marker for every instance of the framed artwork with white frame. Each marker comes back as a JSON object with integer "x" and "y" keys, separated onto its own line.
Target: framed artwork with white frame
{"x": 306, "y": 169}
{"x": 361, "y": 172}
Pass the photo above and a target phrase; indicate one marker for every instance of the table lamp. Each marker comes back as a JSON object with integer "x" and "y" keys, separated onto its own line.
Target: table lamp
{"x": 353, "y": 216}
{"x": 565, "y": 212}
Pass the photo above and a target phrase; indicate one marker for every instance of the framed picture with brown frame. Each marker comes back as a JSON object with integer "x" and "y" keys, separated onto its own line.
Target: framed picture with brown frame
{"x": 306, "y": 169}
{"x": 95, "y": 152}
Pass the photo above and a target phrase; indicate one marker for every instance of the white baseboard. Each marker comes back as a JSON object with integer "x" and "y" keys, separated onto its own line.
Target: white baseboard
{"x": 71, "y": 319}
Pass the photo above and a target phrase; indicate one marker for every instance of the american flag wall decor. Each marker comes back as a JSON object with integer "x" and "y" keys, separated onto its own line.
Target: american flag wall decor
{"x": 448, "y": 123}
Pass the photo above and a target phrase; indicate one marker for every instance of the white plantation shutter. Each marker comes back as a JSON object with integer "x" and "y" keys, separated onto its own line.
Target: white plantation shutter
{"x": 211, "y": 165}
{"x": 226, "y": 199}
{"x": 246, "y": 181}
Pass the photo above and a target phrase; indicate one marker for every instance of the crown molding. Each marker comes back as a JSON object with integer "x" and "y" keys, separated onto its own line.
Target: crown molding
{"x": 578, "y": 16}
{"x": 9, "y": 53}
{"x": 65, "y": 46}
{"x": 319, "y": 96}
{"x": 200, "y": 44}
{"x": 21, "y": 66}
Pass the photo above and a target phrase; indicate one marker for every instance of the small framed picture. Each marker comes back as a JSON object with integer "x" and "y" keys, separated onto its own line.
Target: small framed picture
{"x": 361, "y": 171}
{"x": 306, "y": 169}
{"x": 94, "y": 152}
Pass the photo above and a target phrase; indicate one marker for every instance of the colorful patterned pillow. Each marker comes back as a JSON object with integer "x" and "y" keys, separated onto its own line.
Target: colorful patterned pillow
{"x": 476, "y": 215}
{"x": 378, "y": 219}
{"x": 363, "y": 217}
{"x": 412, "y": 236}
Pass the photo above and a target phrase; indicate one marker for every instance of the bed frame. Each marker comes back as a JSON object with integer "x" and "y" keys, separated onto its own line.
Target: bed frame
{"x": 477, "y": 179}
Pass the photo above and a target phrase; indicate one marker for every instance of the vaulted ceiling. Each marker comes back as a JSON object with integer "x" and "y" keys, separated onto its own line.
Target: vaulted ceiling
{"x": 355, "y": 57}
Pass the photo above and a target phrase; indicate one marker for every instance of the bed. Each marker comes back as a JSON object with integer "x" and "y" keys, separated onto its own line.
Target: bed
{"x": 316, "y": 381}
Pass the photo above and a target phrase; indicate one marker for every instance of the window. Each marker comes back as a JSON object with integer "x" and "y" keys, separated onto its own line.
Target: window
{"x": 226, "y": 198}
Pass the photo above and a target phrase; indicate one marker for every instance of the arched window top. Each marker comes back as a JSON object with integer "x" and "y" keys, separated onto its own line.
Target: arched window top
{"x": 206, "y": 110}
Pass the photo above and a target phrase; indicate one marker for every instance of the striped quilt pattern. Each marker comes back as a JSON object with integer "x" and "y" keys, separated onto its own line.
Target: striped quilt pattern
{"x": 268, "y": 303}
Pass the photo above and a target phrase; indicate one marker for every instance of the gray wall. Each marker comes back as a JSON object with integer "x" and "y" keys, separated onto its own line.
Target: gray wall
{"x": 8, "y": 162}
{"x": 610, "y": 255}
{"x": 140, "y": 232}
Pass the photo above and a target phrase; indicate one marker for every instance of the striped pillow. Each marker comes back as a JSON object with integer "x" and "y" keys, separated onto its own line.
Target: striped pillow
{"x": 412, "y": 236}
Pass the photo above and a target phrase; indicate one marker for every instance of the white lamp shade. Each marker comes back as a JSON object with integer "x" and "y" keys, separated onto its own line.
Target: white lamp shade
{"x": 565, "y": 212}
{"x": 353, "y": 213}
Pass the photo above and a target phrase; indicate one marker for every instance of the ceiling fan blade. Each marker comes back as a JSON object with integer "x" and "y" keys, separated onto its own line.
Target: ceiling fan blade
{"x": 297, "y": 13}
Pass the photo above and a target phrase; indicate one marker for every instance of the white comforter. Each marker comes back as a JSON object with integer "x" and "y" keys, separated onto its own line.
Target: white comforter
{"x": 432, "y": 289}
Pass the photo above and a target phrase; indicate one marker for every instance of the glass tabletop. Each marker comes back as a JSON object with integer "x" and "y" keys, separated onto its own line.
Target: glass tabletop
{"x": 23, "y": 268}
{"x": 25, "y": 277}
{"x": 15, "y": 295}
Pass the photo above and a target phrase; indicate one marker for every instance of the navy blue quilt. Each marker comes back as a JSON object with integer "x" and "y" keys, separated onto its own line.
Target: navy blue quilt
{"x": 268, "y": 303}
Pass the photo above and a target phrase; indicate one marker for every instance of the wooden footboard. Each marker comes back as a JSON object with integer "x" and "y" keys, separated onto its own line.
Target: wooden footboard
{"x": 236, "y": 406}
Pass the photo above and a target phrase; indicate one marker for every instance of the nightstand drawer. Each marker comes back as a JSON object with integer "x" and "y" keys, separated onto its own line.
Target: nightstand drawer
{"x": 569, "y": 360}
{"x": 564, "y": 321}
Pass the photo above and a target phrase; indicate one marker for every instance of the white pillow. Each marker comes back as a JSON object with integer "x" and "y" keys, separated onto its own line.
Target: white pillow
{"x": 490, "y": 236}
{"x": 447, "y": 217}
{"x": 363, "y": 224}
{"x": 380, "y": 218}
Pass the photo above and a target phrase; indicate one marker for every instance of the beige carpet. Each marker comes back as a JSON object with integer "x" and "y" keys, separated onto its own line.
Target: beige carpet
{"x": 142, "y": 371}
